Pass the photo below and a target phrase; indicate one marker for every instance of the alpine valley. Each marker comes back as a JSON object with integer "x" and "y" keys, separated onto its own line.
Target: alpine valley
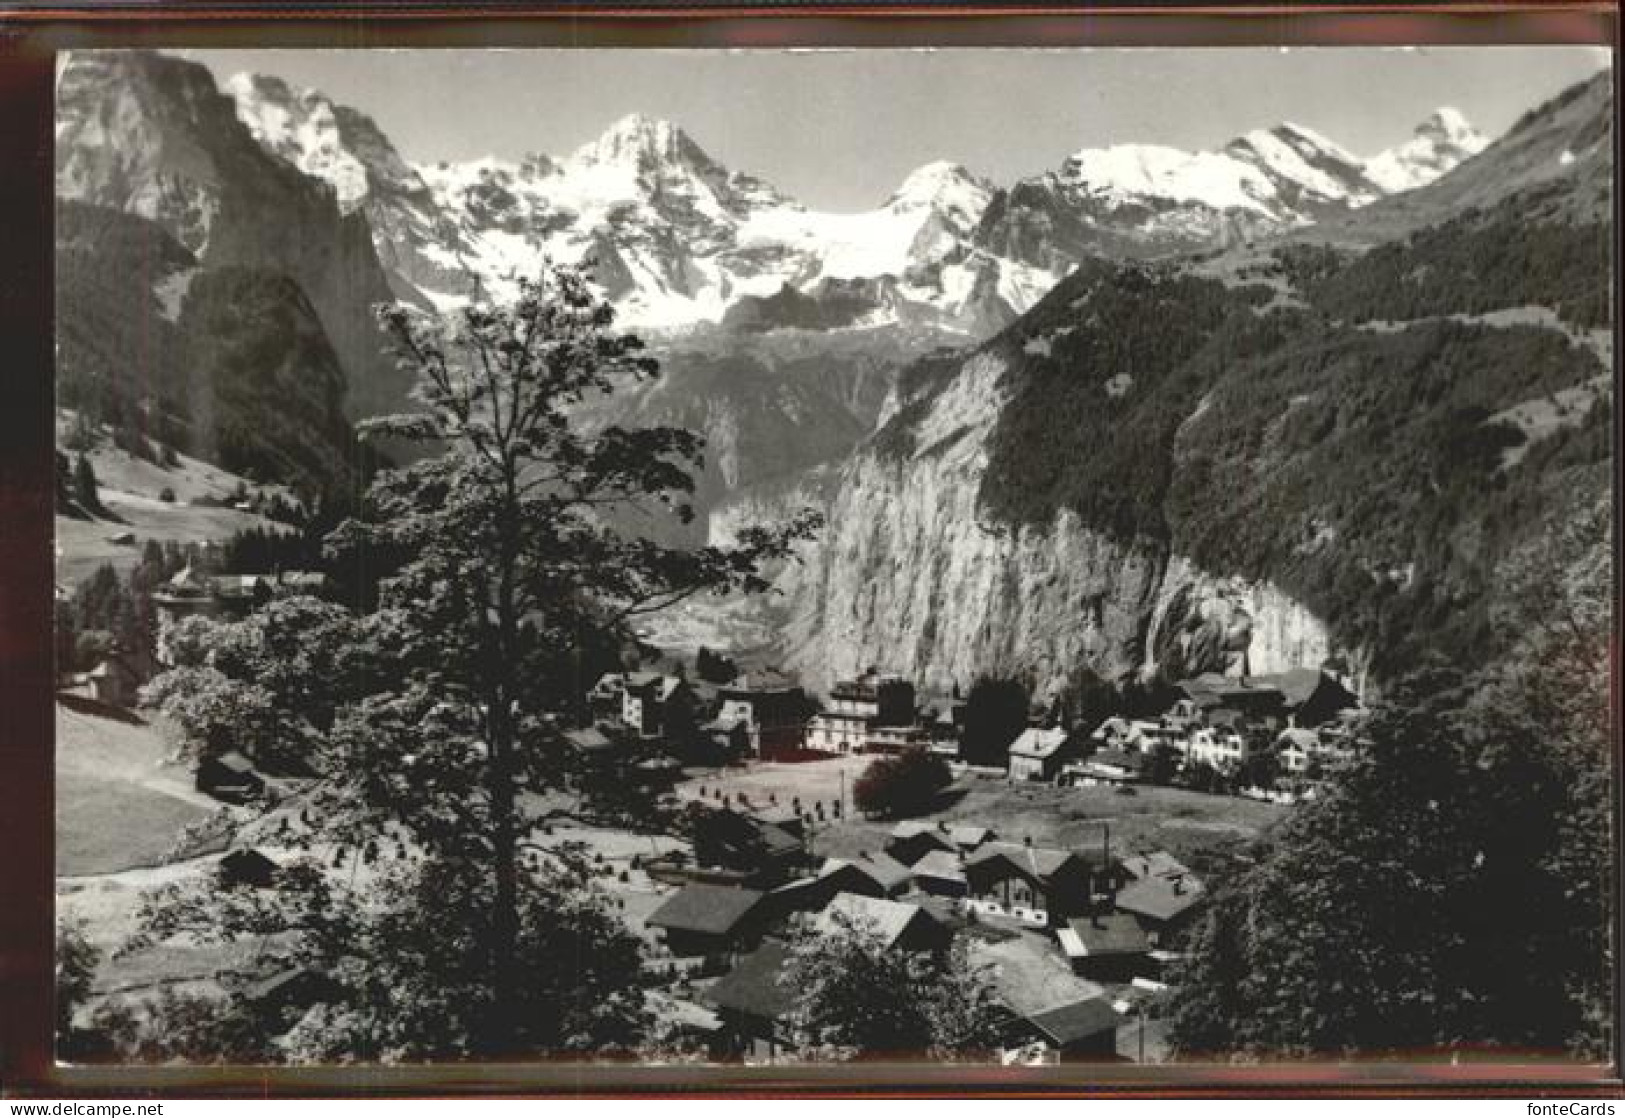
{"x": 1147, "y": 410}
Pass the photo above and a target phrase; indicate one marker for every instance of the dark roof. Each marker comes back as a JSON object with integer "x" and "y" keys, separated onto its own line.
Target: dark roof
{"x": 753, "y": 985}
{"x": 1161, "y": 898}
{"x": 1068, "y": 1024}
{"x": 715, "y": 909}
{"x": 1037, "y": 860}
{"x": 776, "y": 838}
{"x": 883, "y": 869}
{"x": 1115, "y": 934}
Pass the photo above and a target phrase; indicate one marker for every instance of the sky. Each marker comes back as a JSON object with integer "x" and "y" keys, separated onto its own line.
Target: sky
{"x": 840, "y": 129}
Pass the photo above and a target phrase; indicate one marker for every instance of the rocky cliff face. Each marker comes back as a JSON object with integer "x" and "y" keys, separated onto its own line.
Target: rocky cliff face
{"x": 911, "y": 573}
{"x": 151, "y": 135}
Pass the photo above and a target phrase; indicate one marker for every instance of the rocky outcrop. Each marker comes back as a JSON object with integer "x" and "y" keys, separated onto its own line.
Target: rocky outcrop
{"x": 909, "y": 572}
{"x": 153, "y": 136}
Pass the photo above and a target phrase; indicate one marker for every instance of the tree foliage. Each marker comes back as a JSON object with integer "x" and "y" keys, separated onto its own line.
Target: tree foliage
{"x": 856, "y": 998}
{"x": 431, "y": 716}
{"x": 995, "y": 715}
{"x": 906, "y": 783}
{"x": 1451, "y": 890}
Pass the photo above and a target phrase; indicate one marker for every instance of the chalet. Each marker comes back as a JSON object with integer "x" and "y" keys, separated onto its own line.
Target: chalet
{"x": 1038, "y": 754}
{"x": 941, "y": 874}
{"x": 1252, "y": 702}
{"x": 1047, "y": 884}
{"x": 869, "y": 875}
{"x": 901, "y": 927}
{"x": 1083, "y": 1031}
{"x": 1107, "y": 947}
{"x": 1037, "y": 990}
{"x": 709, "y": 920}
{"x": 1310, "y": 697}
{"x": 772, "y": 709}
{"x": 760, "y": 853}
{"x": 1163, "y": 903}
{"x": 753, "y": 1004}
{"x": 229, "y": 777}
{"x": 910, "y": 841}
{"x": 246, "y": 866}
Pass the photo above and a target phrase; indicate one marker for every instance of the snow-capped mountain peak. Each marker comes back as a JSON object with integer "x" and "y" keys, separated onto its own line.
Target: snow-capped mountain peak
{"x": 325, "y": 140}
{"x": 678, "y": 238}
{"x": 1445, "y": 139}
{"x": 1130, "y": 172}
{"x": 643, "y": 142}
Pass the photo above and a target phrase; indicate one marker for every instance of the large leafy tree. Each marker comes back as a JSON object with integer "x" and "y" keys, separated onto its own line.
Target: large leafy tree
{"x": 857, "y": 998}
{"x": 452, "y": 933}
{"x": 1452, "y": 890}
{"x": 905, "y": 784}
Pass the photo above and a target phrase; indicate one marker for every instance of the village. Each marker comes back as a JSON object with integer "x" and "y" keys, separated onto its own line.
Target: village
{"x": 724, "y": 817}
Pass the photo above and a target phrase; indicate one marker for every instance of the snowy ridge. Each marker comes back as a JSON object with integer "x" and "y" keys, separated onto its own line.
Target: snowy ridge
{"x": 679, "y": 240}
{"x": 1441, "y": 142}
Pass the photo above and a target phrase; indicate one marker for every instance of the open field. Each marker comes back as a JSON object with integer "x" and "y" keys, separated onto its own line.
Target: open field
{"x": 130, "y": 489}
{"x": 120, "y": 803}
{"x": 1190, "y": 825}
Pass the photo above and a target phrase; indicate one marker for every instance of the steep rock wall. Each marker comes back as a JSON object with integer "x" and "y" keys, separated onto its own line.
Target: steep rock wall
{"x": 908, "y": 573}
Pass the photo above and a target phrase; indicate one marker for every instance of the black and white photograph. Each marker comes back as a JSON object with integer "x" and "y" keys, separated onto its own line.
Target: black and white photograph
{"x": 985, "y": 558}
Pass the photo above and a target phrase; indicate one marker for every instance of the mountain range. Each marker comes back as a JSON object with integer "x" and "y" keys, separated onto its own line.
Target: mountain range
{"x": 1112, "y": 415}
{"x": 681, "y": 240}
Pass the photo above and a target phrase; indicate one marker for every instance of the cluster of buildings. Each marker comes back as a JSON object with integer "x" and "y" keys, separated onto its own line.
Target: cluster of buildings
{"x": 1306, "y": 717}
{"x": 1069, "y": 939}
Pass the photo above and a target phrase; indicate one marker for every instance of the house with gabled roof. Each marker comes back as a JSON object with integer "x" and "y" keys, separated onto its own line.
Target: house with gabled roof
{"x": 901, "y": 927}
{"x": 941, "y": 873}
{"x": 872, "y": 875}
{"x": 1045, "y": 1002}
{"x": 1079, "y": 1032}
{"x": 1037, "y": 755}
{"x": 1024, "y": 878}
{"x": 229, "y": 777}
{"x": 1105, "y": 946}
{"x": 710, "y": 920}
{"x": 1163, "y": 903}
{"x": 754, "y": 1003}
{"x": 911, "y": 840}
